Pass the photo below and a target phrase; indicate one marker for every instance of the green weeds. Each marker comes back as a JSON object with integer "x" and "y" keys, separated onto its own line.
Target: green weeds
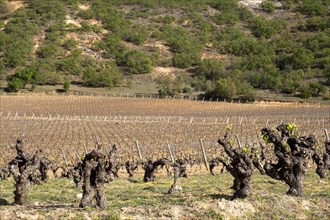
{"x": 268, "y": 199}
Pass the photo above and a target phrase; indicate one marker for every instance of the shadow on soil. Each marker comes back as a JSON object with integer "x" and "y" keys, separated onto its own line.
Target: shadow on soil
{"x": 222, "y": 196}
{"x": 59, "y": 206}
{"x": 133, "y": 181}
{"x": 3, "y": 202}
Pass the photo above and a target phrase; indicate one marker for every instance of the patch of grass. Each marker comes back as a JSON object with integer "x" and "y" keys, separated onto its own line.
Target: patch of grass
{"x": 54, "y": 191}
{"x": 6, "y": 190}
{"x": 212, "y": 214}
{"x": 268, "y": 199}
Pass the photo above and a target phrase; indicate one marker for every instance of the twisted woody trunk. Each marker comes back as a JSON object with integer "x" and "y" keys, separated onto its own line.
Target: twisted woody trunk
{"x": 292, "y": 154}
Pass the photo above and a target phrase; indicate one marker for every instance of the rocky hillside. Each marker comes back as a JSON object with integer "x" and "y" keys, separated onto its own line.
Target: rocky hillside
{"x": 218, "y": 48}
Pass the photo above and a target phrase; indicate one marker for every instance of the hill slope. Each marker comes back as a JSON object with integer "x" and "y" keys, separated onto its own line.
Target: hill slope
{"x": 220, "y": 48}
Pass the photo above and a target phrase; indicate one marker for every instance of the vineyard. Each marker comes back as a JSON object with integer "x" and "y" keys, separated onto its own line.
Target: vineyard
{"x": 72, "y": 122}
{"x": 67, "y": 127}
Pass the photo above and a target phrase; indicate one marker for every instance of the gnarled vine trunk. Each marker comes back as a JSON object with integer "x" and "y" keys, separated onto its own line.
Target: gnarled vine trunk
{"x": 292, "y": 154}
{"x": 27, "y": 170}
{"x": 131, "y": 166}
{"x": 150, "y": 167}
{"x": 179, "y": 169}
{"x": 240, "y": 166}
{"x": 214, "y": 163}
{"x": 96, "y": 169}
{"x": 322, "y": 160}
{"x": 4, "y": 173}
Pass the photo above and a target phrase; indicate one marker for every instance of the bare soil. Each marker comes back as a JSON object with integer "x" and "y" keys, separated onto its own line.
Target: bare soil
{"x": 15, "y": 5}
{"x": 226, "y": 209}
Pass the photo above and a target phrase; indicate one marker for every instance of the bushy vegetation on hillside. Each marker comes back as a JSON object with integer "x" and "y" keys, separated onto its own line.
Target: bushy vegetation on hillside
{"x": 282, "y": 47}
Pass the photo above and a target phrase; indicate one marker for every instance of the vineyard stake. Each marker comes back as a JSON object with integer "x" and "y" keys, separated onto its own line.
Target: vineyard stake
{"x": 97, "y": 141}
{"x": 170, "y": 152}
{"x": 138, "y": 148}
{"x": 66, "y": 162}
{"x": 79, "y": 158}
{"x": 204, "y": 154}
{"x": 238, "y": 141}
{"x": 85, "y": 147}
{"x": 326, "y": 135}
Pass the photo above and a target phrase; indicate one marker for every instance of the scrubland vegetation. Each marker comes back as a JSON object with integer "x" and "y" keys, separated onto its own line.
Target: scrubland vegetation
{"x": 217, "y": 48}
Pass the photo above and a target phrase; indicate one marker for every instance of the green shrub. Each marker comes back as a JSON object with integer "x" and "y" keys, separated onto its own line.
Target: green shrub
{"x": 169, "y": 87}
{"x": 88, "y": 27}
{"x": 224, "y": 5}
{"x": 72, "y": 3}
{"x": 105, "y": 74}
{"x": 86, "y": 14}
{"x": 316, "y": 88}
{"x": 245, "y": 90}
{"x": 16, "y": 52}
{"x": 27, "y": 76}
{"x": 112, "y": 18}
{"x": 302, "y": 58}
{"x": 70, "y": 44}
{"x": 287, "y": 4}
{"x": 66, "y": 86}
{"x": 245, "y": 14}
{"x": 225, "y": 88}
{"x": 20, "y": 27}
{"x": 137, "y": 62}
{"x": 2, "y": 68}
{"x": 313, "y": 7}
{"x": 4, "y": 9}
{"x": 113, "y": 46}
{"x": 185, "y": 60}
{"x": 186, "y": 48}
{"x": 226, "y": 17}
{"x": 49, "y": 50}
{"x": 268, "y": 6}
{"x": 305, "y": 91}
{"x": 211, "y": 69}
{"x": 137, "y": 34}
{"x": 19, "y": 80}
{"x": 223, "y": 38}
{"x": 266, "y": 28}
{"x": 14, "y": 84}
{"x": 167, "y": 19}
{"x": 291, "y": 82}
{"x": 46, "y": 73}
{"x": 316, "y": 23}
{"x": 51, "y": 10}
{"x": 242, "y": 46}
{"x": 17, "y": 40}
{"x": 70, "y": 65}
{"x": 266, "y": 78}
